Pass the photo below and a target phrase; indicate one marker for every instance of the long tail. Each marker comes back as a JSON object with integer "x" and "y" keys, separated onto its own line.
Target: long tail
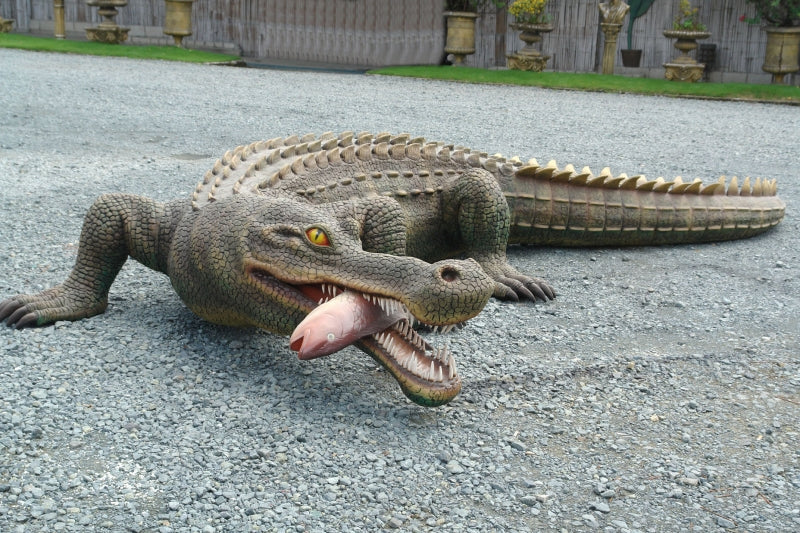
{"x": 562, "y": 207}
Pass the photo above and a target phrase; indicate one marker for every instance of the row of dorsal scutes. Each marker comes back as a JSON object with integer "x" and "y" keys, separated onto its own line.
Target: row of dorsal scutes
{"x": 270, "y": 161}
{"x": 605, "y": 179}
{"x": 365, "y": 147}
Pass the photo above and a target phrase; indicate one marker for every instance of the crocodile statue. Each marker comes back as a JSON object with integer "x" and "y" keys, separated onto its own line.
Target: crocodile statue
{"x": 350, "y": 239}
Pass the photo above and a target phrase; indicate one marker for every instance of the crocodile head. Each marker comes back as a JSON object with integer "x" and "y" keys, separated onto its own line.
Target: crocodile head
{"x": 272, "y": 263}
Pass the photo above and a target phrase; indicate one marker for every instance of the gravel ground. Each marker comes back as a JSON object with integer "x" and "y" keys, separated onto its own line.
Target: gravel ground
{"x": 659, "y": 392}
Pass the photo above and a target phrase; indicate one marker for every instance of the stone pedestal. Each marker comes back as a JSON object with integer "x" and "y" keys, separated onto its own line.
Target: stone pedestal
{"x": 107, "y": 31}
{"x": 6, "y": 25}
{"x": 684, "y": 67}
{"x": 610, "y": 31}
{"x": 529, "y": 58}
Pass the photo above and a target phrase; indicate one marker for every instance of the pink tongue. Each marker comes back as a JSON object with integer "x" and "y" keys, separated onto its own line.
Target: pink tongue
{"x": 337, "y": 323}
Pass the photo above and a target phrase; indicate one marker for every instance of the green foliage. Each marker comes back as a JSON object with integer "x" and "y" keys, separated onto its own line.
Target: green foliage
{"x": 472, "y": 6}
{"x": 686, "y": 20}
{"x": 638, "y": 8}
{"x": 777, "y": 12}
{"x": 169, "y": 53}
{"x": 602, "y": 83}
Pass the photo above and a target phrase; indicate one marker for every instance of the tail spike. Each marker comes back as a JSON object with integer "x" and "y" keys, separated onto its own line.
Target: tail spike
{"x": 364, "y": 152}
{"x": 327, "y": 136}
{"x": 459, "y": 156}
{"x": 745, "y": 190}
{"x": 490, "y": 164}
{"x": 757, "y": 189}
{"x": 382, "y": 137}
{"x": 289, "y": 141}
{"x": 364, "y": 138}
{"x": 334, "y": 157}
{"x": 694, "y": 187}
{"x": 606, "y": 172}
{"x": 349, "y": 153}
{"x": 310, "y": 161}
{"x": 308, "y": 137}
{"x": 714, "y": 189}
{"x": 444, "y": 154}
{"x": 301, "y": 149}
{"x": 398, "y": 151}
{"x": 733, "y": 188}
{"x": 400, "y": 139}
{"x": 345, "y": 138}
{"x": 288, "y": 151}
{"x": 613, "y": 183}
{"x": 414, "y": 150}
{"x": 474, "y": 160}
{"x": 330, "y": 144}
{"x": 417, "y": 140}
{"x": 381, "y": 150}
{"x": 629, "y": 184}
{"x": 429, "y": 151}
{"x": 322, "y": 159}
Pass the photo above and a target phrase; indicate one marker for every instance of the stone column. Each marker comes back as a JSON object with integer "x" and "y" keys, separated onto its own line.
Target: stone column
{"x": 610, "y": 31}
{"x": 59, "y": 31}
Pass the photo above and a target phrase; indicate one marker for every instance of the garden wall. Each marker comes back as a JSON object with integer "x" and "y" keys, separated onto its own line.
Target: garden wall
{"x": 383, "y": 32}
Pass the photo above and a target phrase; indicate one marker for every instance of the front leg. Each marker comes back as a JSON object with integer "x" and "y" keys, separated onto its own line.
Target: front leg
{"x": 117, "y": 225}
{"x": 475, "y": 205}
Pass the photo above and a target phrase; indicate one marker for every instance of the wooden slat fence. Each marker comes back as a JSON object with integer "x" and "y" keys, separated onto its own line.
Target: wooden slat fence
{"x": 384, "y": 32}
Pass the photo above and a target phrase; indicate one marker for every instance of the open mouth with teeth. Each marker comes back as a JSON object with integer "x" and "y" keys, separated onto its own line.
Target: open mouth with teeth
{"x": 383, "y": 328}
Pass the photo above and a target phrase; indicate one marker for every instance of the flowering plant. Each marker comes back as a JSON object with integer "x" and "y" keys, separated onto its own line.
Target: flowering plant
{"x": 775, "y": 12}
{"x": 686, "y": 19}
{"x": 530, "y": 11}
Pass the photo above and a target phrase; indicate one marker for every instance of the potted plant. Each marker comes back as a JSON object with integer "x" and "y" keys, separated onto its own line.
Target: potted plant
{"x": 531, "y": 21}
{"x": 782, "y": 26}
{"x": 687, "y": 29}
{"x": 461, "y": 15}
{"x": 632, "y": 57}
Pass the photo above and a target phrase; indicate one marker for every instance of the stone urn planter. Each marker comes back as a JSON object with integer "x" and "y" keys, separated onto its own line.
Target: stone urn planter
{"x": 783, "y": 50}
{"x": 529, "y": 58}
{"x": 6, "y": 25}
{"x": 684, "y": 67}
{"x": 178, "y": 19}
{"x": 460, "y": 35}
{"x": 107, "y": 31}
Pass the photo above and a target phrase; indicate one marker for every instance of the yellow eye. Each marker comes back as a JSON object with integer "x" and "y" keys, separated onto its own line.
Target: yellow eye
{"x": 318, "y": 236}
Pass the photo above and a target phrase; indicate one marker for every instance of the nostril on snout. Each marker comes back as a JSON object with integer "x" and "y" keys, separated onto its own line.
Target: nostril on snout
{"x": 449, "y": 274}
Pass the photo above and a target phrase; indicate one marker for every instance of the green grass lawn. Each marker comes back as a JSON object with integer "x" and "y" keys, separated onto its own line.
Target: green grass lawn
{"x": 169, "y": 53}
{"x": 601, "y": 82}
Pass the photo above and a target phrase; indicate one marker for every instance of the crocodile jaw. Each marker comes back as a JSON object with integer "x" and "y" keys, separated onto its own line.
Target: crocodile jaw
{"x": 382, "y": 328}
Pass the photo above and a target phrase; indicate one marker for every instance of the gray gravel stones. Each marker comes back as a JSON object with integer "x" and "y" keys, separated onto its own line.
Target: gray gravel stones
{"x": 659, "y": 392}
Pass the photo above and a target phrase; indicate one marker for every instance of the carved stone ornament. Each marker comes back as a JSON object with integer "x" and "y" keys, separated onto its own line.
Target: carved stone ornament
{"x": 684, "y": 67}
{"x": 6, "y": 25}
{"x": 107, "y": 31}
{"x": 529, "y": 58}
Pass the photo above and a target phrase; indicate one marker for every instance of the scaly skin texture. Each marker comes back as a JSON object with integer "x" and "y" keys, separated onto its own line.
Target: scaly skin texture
{"x": 278, "y": 225}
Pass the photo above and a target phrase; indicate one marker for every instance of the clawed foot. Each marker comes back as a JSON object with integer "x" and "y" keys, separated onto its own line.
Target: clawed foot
{"x": 514, "y": 286}
{"x": 58, "y": 303}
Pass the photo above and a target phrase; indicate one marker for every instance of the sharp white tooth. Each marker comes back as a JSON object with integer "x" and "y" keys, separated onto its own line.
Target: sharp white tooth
{"x": 321, "y": 301}
{"x": 390, "y": 343}
{"x": 432, "y": 371}
{"x": 440, "y": 377}
{"x": 452, "y": 364}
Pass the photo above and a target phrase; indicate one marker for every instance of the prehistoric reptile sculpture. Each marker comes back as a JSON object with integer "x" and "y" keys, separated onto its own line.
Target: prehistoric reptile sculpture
{"x": 345, "y": 239}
